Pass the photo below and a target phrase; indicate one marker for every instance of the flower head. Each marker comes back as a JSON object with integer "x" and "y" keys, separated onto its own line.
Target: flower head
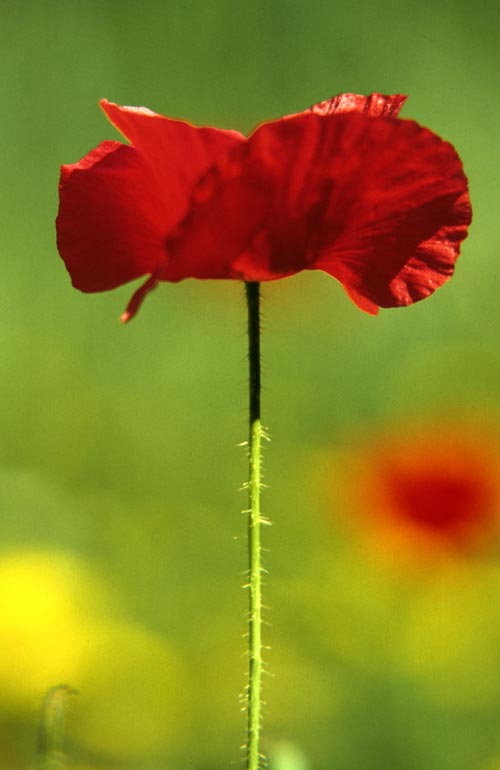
{"x": 346, "y": 187}
{"x": 429, "y": 489}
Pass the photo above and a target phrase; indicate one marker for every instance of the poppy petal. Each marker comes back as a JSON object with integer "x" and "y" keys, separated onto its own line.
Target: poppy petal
{"x": 138, "y": 298}
{"x": 109, "y": 225}
{"x": 373, "y": 106}
{"x": 179, "y": 154}
{"x": 368, "y": 201}
{"x": 405, "y": 216}
{"x": 228, "y": 210}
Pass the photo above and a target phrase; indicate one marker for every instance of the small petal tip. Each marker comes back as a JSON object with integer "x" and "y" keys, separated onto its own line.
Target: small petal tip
{"x": 138, "y": 297}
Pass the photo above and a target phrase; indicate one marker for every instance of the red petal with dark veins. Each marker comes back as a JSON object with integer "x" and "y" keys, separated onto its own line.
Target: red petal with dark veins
{"x": 434, "y": 260}
{"x": 373, "y": 106}
{"x": 380, "y": 204}
{"x": 179, "y": 154}
{"x": 403, "y": 227}
{"x": 110, "y": 228}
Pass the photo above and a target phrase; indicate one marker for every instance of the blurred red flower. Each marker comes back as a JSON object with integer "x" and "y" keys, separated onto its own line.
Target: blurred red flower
{"x": 434, "y": 486}
{"x": 346, "y": 187}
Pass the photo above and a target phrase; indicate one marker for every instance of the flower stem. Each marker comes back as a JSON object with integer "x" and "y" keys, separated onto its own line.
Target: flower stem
{"x": 254, "y": 522}
{"x": 51, "y": 754}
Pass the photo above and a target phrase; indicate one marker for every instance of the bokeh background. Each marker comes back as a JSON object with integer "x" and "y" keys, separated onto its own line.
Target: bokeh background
{"x": 122, "y": 546}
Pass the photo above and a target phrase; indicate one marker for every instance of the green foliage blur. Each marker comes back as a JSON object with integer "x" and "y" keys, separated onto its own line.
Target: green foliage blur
{"x": 122, "y": 545}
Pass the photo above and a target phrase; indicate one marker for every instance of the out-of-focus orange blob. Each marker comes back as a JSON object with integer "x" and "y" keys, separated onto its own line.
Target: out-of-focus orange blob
{"x": 431, "y": 488}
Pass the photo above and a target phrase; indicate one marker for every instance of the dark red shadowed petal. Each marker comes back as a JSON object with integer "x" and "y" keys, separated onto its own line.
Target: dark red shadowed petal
{"x": 109, "y": 228}
{"x": 178, "y": 154}
{"x": 380, "y": 204}
{"x": 229, "y": 209}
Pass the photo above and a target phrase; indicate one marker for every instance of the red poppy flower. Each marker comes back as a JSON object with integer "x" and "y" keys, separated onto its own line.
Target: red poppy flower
{"x": 431, "y": 487}
{"x": 346, "y": 187}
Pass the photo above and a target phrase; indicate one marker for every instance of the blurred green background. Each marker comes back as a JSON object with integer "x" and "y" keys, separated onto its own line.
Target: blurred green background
{"x": 121, "y": 543}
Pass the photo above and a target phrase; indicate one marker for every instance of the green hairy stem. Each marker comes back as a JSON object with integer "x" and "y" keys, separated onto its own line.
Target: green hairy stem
{"x": 254, "y": 522}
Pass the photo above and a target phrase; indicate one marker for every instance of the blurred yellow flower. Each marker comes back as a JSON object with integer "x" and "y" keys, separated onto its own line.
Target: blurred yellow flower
{"x": 60, "y": 623}
{"x": 45, "y": 599}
